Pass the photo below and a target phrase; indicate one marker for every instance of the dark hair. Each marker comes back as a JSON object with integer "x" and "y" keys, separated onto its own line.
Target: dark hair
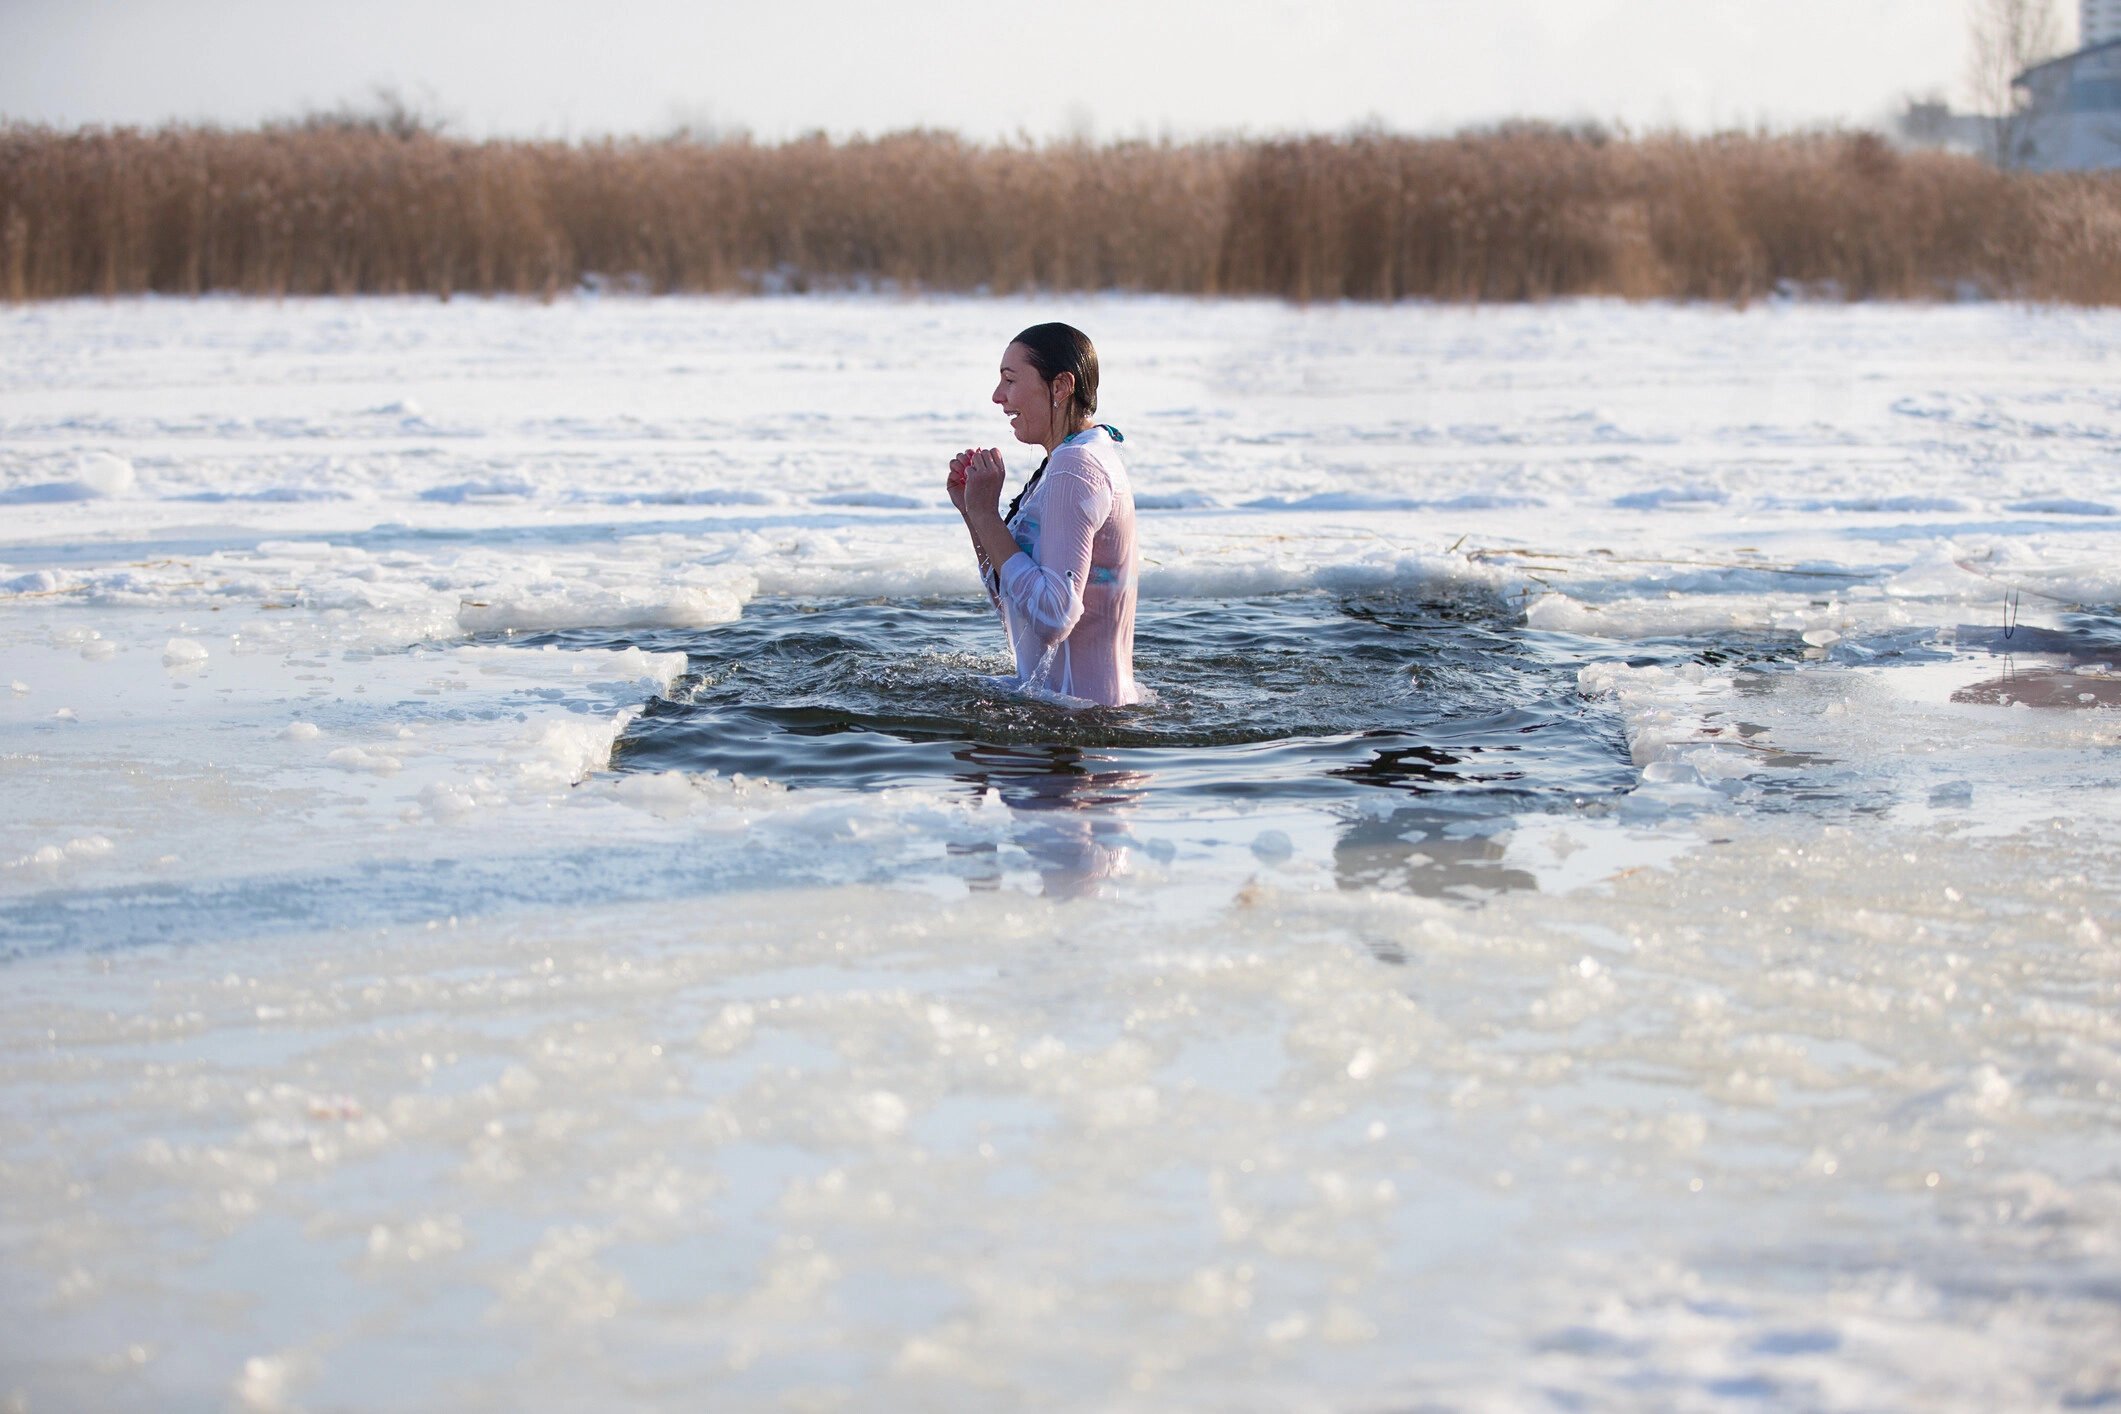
{"x": 1054, "y": 349}
{"x": 1062, "y": 348}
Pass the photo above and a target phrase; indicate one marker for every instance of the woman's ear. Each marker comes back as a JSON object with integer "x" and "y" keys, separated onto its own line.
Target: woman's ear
{"x": 1063, "y": 388}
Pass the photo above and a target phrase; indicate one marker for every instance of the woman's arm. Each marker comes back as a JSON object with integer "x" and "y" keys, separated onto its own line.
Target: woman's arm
{"x": 984, "y": 475}
{"x": 955, "y": 485}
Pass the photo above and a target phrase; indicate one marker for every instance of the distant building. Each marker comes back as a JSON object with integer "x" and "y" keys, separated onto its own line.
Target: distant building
{"x": 2098, "y": 22}
{"x": 1930, "y": 122}
{"x": 2072, "y": 114}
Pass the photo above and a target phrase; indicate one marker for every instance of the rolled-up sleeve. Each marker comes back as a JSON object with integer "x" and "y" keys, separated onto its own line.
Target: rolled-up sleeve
{"x": 1047, "y": 592}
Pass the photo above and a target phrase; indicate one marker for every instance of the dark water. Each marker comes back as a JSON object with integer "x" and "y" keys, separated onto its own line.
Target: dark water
{"x": 1425, "y": 725}
{"x": 1303, "y": 699}
{"x": 1294, "y": 697}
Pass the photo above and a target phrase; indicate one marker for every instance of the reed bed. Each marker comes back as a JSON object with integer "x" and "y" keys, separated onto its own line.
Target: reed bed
{"x": 1522, "y": 213}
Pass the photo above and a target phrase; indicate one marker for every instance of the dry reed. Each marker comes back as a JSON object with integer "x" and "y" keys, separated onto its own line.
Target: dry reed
{"x": 1516, "y": 214}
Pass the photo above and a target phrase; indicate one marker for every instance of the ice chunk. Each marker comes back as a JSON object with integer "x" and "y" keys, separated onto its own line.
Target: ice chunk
{"x": 183, "y": 653}
{"x": 446, "y": 801}
{"x": 625, "y": 665}
{"x": 1273, "y": 846}
{"x": 102, "y": 474}
{"x": 563, "y": 753}
{"x": 684, "y": 606}
{"x": 52, "y": 855}
{"x": 1558, "y": 613}
{"x": 300, "y": 731}
{"x": 353, "y": 758}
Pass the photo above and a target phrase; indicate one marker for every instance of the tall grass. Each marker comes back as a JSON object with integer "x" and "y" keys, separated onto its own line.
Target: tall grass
{"x": 1516, "y": 214}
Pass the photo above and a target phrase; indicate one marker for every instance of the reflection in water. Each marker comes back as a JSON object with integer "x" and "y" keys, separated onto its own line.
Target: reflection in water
{"x": 1429, "y": 850}
{"x": 1066, "y": 811}
{"x": 1426, "y": 852}
{"x": 1422, "y": 768}
{"x": 2074, "y": 685}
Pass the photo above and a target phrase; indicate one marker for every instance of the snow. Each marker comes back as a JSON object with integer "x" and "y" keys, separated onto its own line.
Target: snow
{"x": 368, "y": 1039}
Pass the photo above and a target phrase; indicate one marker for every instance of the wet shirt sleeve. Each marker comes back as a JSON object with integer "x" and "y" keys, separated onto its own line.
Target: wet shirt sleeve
{"x": 989, "y": 581}
{"x": 1045, "y": 588}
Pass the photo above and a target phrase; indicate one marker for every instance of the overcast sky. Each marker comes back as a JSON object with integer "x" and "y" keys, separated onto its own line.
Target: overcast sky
{"x": 1101, "y": 67}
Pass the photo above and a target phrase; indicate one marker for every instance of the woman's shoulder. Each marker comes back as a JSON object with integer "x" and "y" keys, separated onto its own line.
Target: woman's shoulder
{"x": 1093, "y": 455}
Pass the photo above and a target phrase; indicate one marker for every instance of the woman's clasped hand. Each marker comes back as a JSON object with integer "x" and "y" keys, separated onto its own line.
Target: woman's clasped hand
{"x": 977, "y": 476}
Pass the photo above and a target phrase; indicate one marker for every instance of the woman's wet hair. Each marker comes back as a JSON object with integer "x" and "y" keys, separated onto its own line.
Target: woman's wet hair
{"x": 1054, "y": 349}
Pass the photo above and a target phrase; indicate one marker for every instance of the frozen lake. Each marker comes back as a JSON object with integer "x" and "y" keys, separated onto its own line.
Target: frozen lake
{"x": 515, "y": 897}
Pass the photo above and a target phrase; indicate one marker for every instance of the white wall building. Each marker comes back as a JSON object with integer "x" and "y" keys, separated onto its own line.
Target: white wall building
{"x": 2097, "y": 22}
{"x": 2072, "y": 118}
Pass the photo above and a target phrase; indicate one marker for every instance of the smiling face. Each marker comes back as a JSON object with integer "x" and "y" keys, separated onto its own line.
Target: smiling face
{"x": 1030, "y": 400}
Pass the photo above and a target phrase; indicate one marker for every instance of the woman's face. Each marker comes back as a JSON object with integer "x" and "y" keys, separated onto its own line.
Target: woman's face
{"x": 1028, "y": 398}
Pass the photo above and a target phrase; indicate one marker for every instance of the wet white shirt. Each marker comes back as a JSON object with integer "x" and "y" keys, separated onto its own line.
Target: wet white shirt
{"x": 1067, "y": 602}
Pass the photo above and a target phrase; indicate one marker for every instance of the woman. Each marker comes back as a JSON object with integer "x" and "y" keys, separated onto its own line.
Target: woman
{"x": 1060, "y": 564}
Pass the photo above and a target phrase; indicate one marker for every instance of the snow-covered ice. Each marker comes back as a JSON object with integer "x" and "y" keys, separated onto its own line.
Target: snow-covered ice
{"x": 369, "y": 1041}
